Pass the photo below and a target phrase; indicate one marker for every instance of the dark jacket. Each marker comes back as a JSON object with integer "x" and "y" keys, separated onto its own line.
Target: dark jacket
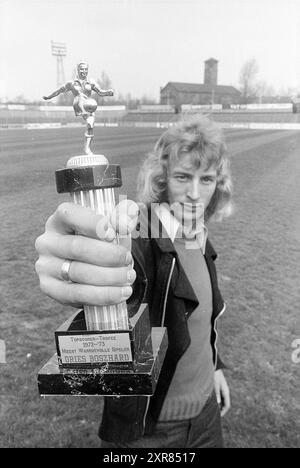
{"x": 163, "y": 284}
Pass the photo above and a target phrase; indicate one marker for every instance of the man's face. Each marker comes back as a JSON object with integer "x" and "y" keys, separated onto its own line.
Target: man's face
{"x": 190, "y": 186}
{"x": 82, "y": 71}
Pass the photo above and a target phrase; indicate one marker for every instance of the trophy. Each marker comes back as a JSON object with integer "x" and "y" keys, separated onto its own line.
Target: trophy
{"x": 101, "y": 350}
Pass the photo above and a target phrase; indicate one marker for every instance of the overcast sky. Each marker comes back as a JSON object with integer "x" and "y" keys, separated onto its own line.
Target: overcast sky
{"x": 143, "y": 44}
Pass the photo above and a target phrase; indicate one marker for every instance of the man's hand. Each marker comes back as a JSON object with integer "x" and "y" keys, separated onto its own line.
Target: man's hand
{"x": 101, "y": 270}
{"x": 222, "y": 392}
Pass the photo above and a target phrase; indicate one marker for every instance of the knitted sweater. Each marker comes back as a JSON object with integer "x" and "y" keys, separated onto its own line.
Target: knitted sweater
{"x": 193, "y": 381}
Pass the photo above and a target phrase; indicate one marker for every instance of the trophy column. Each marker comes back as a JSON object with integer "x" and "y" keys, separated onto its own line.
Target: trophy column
{"x": 102, "y": 200}
{"x": 103, "y": 350}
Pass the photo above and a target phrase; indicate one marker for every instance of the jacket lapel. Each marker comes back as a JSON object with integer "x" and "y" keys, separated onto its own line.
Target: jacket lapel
{"x": 210, "y": 256}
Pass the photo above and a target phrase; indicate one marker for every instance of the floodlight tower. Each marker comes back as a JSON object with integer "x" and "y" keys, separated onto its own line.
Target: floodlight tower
{"x": 59, "y": 50}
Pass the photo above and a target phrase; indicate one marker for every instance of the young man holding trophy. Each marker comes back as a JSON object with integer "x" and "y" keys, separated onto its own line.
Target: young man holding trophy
{"x": 168, "y": 263}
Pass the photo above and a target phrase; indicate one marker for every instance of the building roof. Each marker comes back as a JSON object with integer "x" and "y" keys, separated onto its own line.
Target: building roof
{"x": 201, "y": 88}
{"x": 211, "y": 59}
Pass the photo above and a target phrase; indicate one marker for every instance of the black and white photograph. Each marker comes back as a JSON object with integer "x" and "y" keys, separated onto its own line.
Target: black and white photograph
{"x": 150, "y": 226}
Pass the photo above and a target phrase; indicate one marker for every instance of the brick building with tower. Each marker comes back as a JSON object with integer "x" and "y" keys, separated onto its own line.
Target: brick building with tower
{"x": 210, "y": 92}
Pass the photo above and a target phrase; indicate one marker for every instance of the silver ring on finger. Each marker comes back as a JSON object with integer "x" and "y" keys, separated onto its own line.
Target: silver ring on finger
{"x": 65, "y": 270}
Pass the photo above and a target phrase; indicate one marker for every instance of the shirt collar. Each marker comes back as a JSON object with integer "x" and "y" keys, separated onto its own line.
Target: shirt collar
{"x": 173, "y": 226}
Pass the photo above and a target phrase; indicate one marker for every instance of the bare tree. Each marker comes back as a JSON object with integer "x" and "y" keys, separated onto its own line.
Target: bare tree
{"x": 20, "y": 99}
{"x": 265, "y": 92}
{"x": 264, "y": 89}
{"x": 248, "y": 85}
{"x": 104, "y": 81}
{"x": 147, "y": 100}
{"x": 288, "y": 91}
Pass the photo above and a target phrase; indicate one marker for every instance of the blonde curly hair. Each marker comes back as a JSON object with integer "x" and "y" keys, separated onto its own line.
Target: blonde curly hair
{"x": 204, "y": 141}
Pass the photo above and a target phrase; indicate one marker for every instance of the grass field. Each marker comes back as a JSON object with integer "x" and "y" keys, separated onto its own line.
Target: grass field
{"x": 258, "y": 264}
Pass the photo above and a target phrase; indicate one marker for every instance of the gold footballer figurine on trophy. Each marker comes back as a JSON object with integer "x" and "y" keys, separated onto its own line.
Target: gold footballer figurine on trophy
{"x": 84, "y": 105}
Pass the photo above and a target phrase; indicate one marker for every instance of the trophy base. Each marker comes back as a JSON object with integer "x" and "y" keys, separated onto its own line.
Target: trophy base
{"x": 106, "y": 362}
{"x": 141, "y": 380}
